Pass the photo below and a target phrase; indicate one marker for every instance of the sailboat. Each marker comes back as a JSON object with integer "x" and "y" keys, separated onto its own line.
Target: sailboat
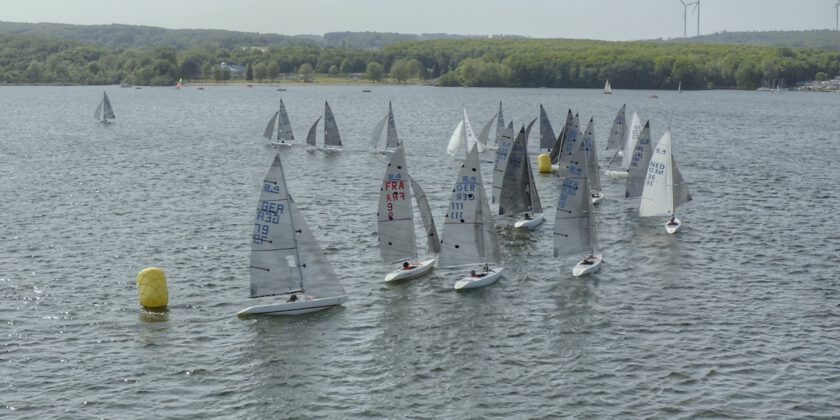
{"x": 179, "y": 84}
{"x": 332, "y": 138}
{"x": 469, "y": 235}
{"x": 593, "y": 171}
{"x": 286, "y": 259}
{"x": 575, "y": 230}
{"x": 463, "y": 138}
{"x": 664, "y": 189}
{"x": 396, "y": 221}
{"x": 637, "y": 173}
{"x": 519, "y": 192}
{"x": 547, "y": 138}
{"x": 565, "y": 134}
{"x": 679, "y": 87}
{"x": 618, "y": 130}
{"x": 500, "y": 125}
{"x": 625, "y": 152}
{"x": 392, "y": 140}
{"x": 484, "y": 134}
{"x": 104, "y": 111}
{"x": 500, "y": 164}
{"x": 607, "y": 88}
{"x": 284, "y": 128}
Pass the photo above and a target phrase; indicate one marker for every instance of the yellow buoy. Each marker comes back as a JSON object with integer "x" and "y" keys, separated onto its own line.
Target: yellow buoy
{"x": 151, "y": 285}
{"x": 544, "y": 163}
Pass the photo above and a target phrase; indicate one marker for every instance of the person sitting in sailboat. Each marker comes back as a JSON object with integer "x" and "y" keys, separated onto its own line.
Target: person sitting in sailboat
{"x": 589, "y": 260}
{"x": 673, "y": 221}
{"x": 407, "y": 266}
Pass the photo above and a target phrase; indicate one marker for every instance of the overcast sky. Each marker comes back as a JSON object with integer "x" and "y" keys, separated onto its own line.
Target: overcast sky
{"x": 591, "y": 19}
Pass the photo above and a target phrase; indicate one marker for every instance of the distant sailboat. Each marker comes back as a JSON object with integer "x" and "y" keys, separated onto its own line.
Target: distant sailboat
{"x": 469, "y": 235}
{"x": 679, "y": 87}
{"x": 639, "y": 162}
{"x": 285, "y": 257}
{"x": 625, "y": 152}
{"x": 396, "y": 221}
{"x": 179, "y": 84}
{"x": 463, "y": 138}
{"x": 284, "y": 135}
{"x": 519, "y": 192}
{"x": 664, "y": 188}
{"x": 392, "y": 140}
{"x": 332, "y": 138}
{"x": 607, "y": 88}
{"x": 104, "y": 111}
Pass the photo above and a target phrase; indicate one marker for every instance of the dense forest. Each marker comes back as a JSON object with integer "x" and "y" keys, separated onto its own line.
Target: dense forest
{"x": 445, "y": 62}
{"x": 819, "y": 39}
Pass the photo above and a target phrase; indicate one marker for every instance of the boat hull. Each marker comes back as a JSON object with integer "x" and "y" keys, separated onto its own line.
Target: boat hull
{"x": 470, "y": 282}
{"x": 530, "y": 224}
{"x": 582, "y": 269}
{"x": 331, "y": 150}
{"x": 302, "y": 306}
{"x": 673, "y": 228}
{"x": 616, "y": 174}
{"x": 423, "y": 268}
{"x": 279, "y": 145}
{"x": 597, "y": 196}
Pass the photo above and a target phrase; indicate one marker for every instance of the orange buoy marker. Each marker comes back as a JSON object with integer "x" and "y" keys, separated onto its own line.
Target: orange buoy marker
{"x": 151, "y": 286}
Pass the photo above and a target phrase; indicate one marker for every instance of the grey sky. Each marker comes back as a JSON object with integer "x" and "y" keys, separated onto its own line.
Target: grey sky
{"x": 592, "y": 19}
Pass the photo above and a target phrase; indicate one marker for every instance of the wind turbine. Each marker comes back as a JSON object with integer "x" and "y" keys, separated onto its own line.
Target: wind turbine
{"x": 837, "y": 16}
{"x": 685, "y": 16}
{"x": 697, "y": 9}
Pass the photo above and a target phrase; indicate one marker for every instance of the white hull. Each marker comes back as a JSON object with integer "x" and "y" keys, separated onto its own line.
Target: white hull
{"x": 597, "y": 196}
{"x": 279, "y": 145}
{"x": 423, "y": 268}
{"x": 386, "y": 152}
{"x": 673, "y": 228}
{"x": 304, "y": 305}
{"x": 581, "y": 269}
{"x": 616, "y": 174}
{"x": 331, "y": 150}
{"x": 530, "y": 224}
{"x": 311, "y": 149}
{"x": 470, "y": 282}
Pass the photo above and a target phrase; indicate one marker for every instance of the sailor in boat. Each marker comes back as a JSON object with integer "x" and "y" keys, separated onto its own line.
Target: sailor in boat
{"x": 292, "y": 298}
{"x": 407, "y": 266}
{"x": 589, "y": 260}
{"x": 479, "y": 275}
{"x": 672, "y": 222}
{"x": 528, "y": 216}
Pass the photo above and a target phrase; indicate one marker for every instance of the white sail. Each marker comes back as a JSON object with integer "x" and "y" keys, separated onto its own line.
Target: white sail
{"x": 432, "y": 240}
{"x": 98, "y": 113}
{"x": 607, "y": 87}
{"x": 593, "y": 171}
{"x": 557, "y": 150}
{"x": 500, "y": 124}
{"x": 658, "y": 192}
{"x": 681, "y": 193}
{"x": 285, "y": 257}
{"x": 392, "y": 140}
{"x": 456, "y": 141}
{"x": 484, "y": 134}
{"x": 395, "y": 215}
{"x": 640, "y": 158}
{"x": 470, "y": 135}
{"x": 575, "y": 230}
{"x": 331, "y": 135}
{"x": 469, "y": 236}
{"x": 310, "y": 137}
{"x": 571, "y": 144}
{"x": 284, "y": 128}
{"x": 502, "y": 154}
{"x": 630, "y": 141}
{"x": 378, "y": 131}
{"x": 547, "y": 138}
{"x": 269, "y": 129}
{"x": 618, "y": 129}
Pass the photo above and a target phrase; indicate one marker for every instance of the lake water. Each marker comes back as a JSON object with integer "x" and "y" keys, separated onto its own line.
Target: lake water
{"x": 737, "y": 316}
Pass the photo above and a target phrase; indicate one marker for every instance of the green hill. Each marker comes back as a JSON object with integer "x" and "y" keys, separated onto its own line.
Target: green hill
{"x": 819, "y": 39}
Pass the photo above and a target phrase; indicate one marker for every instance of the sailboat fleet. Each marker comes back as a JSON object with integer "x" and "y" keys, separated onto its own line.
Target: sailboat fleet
{"x": 290, "y": 270}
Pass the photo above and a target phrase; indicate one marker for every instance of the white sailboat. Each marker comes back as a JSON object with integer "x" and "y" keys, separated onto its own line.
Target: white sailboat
{"x": 463, "y": 138}
{"x": 565, "y": 134}
{"x": 607, "y": 88}
{"x": 679, "y": 87}
{"x": 625, "y": 152}
{"x": 637, "y": 173}
{"x": 284, "y": 128}
{"x": 575, "y": 231}
{"x": 519, "y": 192}
{"x": 391, "y": 139}
{"x": 395, "y": 221}
{"x": 104, "y": 111}
{"x": 547, "y": 137}
{"x": 469, "y": 235}
{"x": 664, "y": 188}
{"x": 502, "y": 155}
{"x": 593, "y": 171}
{"x": 286, "y": 260}
{"x": 332, "y": 137}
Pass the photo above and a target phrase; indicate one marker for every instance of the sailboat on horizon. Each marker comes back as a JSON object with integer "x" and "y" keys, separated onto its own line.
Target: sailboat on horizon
{"x": 104, "y": 111}
{"x": 391, "y": 139}
{"x": 607, "y": 88}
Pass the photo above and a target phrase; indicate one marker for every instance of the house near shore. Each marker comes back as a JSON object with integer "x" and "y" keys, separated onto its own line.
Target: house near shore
{"x": 236, "y": 71}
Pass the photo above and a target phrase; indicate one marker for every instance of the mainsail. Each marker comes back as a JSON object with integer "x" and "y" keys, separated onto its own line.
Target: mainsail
{"x": 432, "y": 241}
{"x": 310, "y": 137}
{"x": 565, "y": 134}
{"x": 284, "y": 130}
{"x": 639, "y": 162}
{"x": 574, "y": 223}
{"x": 500, "y": 124}
{"x": 630, "y": 141}
{"x": 392, "y": 140}
{"x": 658, "y": 192}
{"x": 547, "y": 138}
{"x": 502, "y": 155}
{"x": 269, "y": 129}
{"x": 593, "y": 171}
{"x": 484, "y": 134}
{"x": 518, "y": 191}
{"x": 618, "y": 129}
{"x": 395, "y": 216}
{"x": 331, "y": 134}
{"x": 456, "y": 141}
{"x": 104, "y": 111}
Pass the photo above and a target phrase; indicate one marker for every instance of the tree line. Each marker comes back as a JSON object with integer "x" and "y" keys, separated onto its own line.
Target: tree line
{"x": 446, "y": 62}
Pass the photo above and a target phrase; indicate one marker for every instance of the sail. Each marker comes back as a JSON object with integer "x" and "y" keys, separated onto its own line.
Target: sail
{"x": 658, "y": 190}
{"x": 518, "y": 190}
{"x": 536, "y": 206}
{"x": 310, "y": 138}
{"x": 275, "y": 268}
{"x": 607, "y": 87}
{"x": 470, "y": 135}
{"x": 617, "y": 131}
{"x": 395, "y": 216}
{"x": 284, "y": 130}
{"x": 574, "y": 223}
{"x": 593, "y": 171}
{"x": 107, "y": 111}
{"x": 681, "y": 194}
{"x": 571, "y": 143}
{"x": 319, "y": 278}
{"x": 98, "y": 113}
{"x": 466, "y": 239}
{"x": 500, "y": 124}
{"x": 456, "y": 141}
{"x": 558, "y": 148}
{"x": 269, "y": 129}
{"x": 432, "y": 240}
{"x": 331, "y": 134}
{"x": 378, "y": 131}
{"x": 547, "y": 138}
{"x": 639, "y": 162}
{"x": 484, "y": 135}
{"x": 502, "y": 155}
{"x": 392, "y": 140}
{"x": 630, "y": 141}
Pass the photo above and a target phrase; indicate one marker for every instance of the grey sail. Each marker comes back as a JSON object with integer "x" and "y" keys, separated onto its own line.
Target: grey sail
{"x": 269, "y": 129}
{"x": 484, "y": 135}
{"x": 395, "y": 216}
{"x": 618, "y": 130}
{"x": 310, "y": 137}
{"x": 500, "y": 124}
{"x": 331, "y": 134}
{"x": 319, "y": 278}
{"x": 536, "y": 206}
{"x": 502, "y": 154}
{"x": 681, "y": 193}
{"x": 393, "y": 140}
{"x": 466, "y": 237}
{"x": 284, "y": 130}
{"x": 378, "y": 131}
{"x": 565, "y": 134}
{"x": 98, "y": 113}
{"x": 432, "y": 239}
{"x": 593, "y": 171}
{"x": 639, "y": 162}
{"x": 571, "y": 142}
{"x": 574, "y": 223}
{"x": 107, "y": 110}
{"x": 275, "y": 267}
{"x": 518, "y": 193}
{"x": 547, "y": 138}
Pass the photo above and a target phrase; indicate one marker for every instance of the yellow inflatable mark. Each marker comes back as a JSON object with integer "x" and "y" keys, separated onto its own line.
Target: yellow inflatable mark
{"x": 544, "y": 163}
{"x": 151, "y": 285}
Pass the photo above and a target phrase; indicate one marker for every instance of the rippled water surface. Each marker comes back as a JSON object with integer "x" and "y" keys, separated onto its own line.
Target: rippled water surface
{"x": 736, "y": 316}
